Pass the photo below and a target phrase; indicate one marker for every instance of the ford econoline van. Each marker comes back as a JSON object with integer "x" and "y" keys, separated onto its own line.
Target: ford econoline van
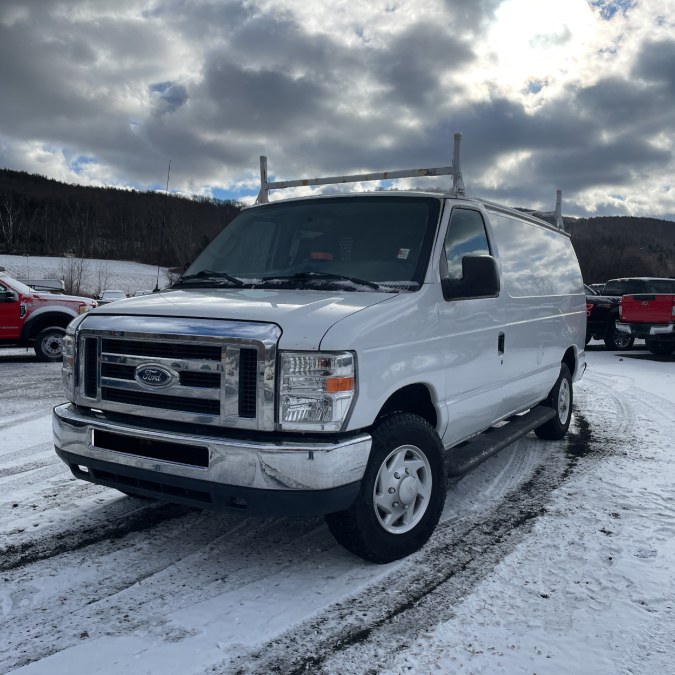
{"x": 337, "y": 355}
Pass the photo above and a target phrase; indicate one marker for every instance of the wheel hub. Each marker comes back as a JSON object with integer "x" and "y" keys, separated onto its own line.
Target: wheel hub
{"x": 53, "y": 344}
{"x": 407, "y": 490}
{"x": 402, "y": 489}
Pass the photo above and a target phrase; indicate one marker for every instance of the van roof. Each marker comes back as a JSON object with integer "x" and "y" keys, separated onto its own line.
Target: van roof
{"x": 435, "y": 194}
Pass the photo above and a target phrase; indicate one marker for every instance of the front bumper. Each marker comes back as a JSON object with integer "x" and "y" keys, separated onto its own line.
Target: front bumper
{"x": 647, "y": 330}
{"x": 210, "y": 471}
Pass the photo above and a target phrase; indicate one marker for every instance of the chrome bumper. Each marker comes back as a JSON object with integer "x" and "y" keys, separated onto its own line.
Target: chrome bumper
{"x": 271, "y": 466}
{"x": 649, "y": 329}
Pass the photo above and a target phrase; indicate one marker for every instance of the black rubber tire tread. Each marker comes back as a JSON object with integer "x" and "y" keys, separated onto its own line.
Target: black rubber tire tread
{"x": 357, "y": 528}
{"x": 610, "y": 339}
{"x": 660, "y": 347}
{"x": 553, "y": 430}
{"x": 44, "y": 356}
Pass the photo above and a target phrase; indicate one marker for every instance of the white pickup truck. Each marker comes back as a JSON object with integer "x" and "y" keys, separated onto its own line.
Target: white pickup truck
{"x": 338, "y": 355}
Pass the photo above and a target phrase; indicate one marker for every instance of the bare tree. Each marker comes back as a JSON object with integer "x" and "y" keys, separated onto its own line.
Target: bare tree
{"x": 74, "y": 273}
{"x": 10, "y": 220}
{"x": 101, "y": 277}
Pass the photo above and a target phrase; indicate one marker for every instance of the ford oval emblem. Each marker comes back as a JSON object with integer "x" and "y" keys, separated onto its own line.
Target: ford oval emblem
{"x": 153, "y": 376}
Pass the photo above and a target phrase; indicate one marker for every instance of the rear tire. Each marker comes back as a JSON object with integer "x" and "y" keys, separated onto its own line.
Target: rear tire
{"x": 660, "y": 347}
{"x": 49, "y": 344}
{"x": 560, "y": 399}
{"x": 402, "y": 492}
{"x": 617, "y": 340}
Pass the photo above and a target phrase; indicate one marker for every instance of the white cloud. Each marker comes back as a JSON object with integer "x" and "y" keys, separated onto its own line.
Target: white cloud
{"x": 548, "y": 93}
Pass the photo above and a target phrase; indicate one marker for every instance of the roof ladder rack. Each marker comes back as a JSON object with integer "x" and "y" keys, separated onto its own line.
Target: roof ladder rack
{"x": 454, "y": 171}
{"x": 559, "y": 222}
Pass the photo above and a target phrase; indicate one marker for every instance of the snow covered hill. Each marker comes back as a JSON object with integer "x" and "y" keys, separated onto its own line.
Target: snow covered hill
{"x": 96, "y": 274}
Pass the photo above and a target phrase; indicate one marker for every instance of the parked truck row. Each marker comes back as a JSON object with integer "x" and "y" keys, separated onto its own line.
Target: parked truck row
{"x": 603, "y": 304}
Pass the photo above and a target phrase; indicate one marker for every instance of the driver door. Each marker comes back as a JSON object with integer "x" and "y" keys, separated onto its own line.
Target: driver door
{"x": 10, "y": 319}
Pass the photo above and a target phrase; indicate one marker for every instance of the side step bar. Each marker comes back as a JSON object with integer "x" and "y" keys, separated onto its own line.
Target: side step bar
{"x": 466, "y": 456}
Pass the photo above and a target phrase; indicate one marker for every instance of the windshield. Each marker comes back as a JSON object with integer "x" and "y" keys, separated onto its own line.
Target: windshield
{"x": 357, "y": 243}
{"x": 16, "y": 285}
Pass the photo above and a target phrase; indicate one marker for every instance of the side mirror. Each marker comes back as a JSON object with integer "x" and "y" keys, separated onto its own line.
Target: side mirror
{"x": 7, "y": 296}
{"x": 480, "y": 279}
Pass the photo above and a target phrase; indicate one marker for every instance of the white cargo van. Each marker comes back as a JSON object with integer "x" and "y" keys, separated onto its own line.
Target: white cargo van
{"x": 339, "y": 355}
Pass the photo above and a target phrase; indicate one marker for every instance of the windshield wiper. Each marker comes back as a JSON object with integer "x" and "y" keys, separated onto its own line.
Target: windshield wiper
{"x": 310, "y": 276}
{"x": 210, "y": 275}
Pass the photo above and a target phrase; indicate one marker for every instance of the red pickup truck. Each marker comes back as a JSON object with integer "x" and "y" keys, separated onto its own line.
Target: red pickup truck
{"x": 650, "y": 316}
{"x": 28, "y": 317}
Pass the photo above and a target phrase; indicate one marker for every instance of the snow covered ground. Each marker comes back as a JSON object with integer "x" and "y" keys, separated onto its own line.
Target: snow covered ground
{"x": 97, "y": 275}
{"x": 551, "y": 557}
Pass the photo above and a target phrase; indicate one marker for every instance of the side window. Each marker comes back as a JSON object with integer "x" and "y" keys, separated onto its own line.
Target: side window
{"x": 466, "y": 236}
{"x": 536, "y": 260}
{"x": 664, "y": 286}
{"x": 6, "y": 295}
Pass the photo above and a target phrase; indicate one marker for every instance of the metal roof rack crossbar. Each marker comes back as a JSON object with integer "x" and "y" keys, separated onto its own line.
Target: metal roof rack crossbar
{"x": 454, "y": 171}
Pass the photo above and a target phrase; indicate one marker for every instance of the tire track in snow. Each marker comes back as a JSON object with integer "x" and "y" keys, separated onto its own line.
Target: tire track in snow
{"x": 192, "y": 560}
{"x": 362, "y": 629}
{"x": 13, "y": 556}
{"x": 422, "y": 590}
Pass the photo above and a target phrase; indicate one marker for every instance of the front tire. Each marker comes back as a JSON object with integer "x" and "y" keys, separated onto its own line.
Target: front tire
{"x": 402, "y": 492}
{"x": 49, "y": 344}
{"x": 560, "y": 399}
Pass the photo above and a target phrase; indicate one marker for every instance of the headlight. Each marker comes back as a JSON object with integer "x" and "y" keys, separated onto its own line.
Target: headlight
{"x": 316, "y": 390}
{"x": 69, "y": 354}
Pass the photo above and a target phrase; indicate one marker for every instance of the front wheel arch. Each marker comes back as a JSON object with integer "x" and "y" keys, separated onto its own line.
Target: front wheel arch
{"x": 37, "y": 323}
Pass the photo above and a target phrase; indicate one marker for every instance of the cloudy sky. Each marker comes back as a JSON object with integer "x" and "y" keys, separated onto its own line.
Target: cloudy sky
{"x": 570, "y": 94}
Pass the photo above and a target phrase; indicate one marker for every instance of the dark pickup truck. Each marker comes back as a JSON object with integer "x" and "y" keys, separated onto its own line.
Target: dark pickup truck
{"x": 650, "y": 316}
{"x": 602, "y": 312}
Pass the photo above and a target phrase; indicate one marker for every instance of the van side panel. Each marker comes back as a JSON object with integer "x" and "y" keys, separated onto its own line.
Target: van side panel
{"x": 544, "y": 302}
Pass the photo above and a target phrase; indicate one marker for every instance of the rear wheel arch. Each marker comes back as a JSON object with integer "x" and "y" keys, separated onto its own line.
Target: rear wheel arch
{"x": 570, "y": 360}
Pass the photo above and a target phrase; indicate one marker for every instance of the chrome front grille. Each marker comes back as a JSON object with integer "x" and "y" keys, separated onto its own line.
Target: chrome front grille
{"x": 196, "y": 371}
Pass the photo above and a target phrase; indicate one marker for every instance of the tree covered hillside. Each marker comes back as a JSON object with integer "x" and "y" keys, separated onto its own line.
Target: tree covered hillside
{"x": 40, "y": 216}
{"x": 621, "y": 246}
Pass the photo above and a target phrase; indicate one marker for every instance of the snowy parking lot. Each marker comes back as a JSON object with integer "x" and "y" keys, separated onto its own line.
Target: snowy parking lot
{"x": 551, "y": 557}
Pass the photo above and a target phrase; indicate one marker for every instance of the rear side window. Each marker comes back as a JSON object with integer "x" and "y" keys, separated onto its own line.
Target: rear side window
{"x": 625, "y": 287}
{"x": 535, "y": 261}
{"x": 663, "y": 286}
{"x": 466, "y": 236}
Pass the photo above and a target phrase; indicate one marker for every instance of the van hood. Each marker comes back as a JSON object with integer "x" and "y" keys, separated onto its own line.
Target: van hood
{"x": 304, "y": 315}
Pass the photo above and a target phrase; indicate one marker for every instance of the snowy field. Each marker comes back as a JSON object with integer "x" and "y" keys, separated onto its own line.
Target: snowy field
{"x": 97, "y": 275}
{"x": 551, "y": 557}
